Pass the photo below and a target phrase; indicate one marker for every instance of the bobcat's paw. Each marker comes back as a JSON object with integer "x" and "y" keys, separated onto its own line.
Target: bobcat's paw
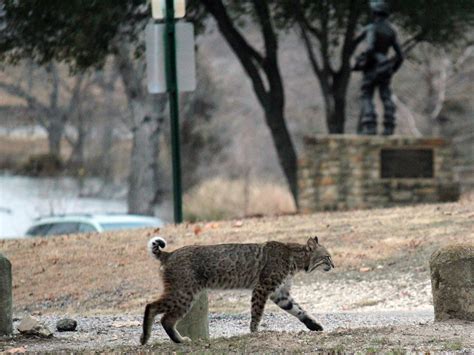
{"x": 143, "y": 339}
{"x": 186, "y": 340}
{"x": 311, "y": 324}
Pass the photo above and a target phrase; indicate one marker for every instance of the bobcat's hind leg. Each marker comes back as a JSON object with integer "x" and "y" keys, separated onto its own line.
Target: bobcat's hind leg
{"x": 151, "y": 310}
{"x": 183, "y": 303}
{"x": 259, "y": 298}
{"x": 169, "y": 321}
{"x": 283, "y": 299}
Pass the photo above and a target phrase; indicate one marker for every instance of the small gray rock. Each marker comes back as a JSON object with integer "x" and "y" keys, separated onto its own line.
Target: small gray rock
{"x": 66, "y": 325}
{"x": 31, "y": 326}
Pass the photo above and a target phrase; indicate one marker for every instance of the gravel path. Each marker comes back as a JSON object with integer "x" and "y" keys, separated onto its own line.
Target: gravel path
{"x": 341, "y": 300}
{"x": 95, "y": 332}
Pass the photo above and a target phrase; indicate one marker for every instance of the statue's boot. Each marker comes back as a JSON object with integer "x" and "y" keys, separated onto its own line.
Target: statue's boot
{"x": 389, "y": 108}
{"x": 369, "y": 128}
{"x": 388, "y": 123}
{"x": 388, "y": 130}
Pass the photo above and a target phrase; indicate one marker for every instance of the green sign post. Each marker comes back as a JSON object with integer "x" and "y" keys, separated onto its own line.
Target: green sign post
{"x": 174, "y": 72}
{"x": 172, "y": 85}
{"x": 170, "y": 54}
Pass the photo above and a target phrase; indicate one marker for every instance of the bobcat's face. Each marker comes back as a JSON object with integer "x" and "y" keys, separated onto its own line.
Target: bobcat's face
{"x": 319, "y": 256}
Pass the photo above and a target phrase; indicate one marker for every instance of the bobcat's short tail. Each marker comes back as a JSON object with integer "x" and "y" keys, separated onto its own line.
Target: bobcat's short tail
{"x": 155, "y": 245}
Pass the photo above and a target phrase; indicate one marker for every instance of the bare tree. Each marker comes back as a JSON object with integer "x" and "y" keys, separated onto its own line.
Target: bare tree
{"x": 445, "y": 78}
{"x": 52, "y": 110}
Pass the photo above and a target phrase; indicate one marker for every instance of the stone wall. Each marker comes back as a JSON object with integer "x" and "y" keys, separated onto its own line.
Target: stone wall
{"x": 350, "y": 172}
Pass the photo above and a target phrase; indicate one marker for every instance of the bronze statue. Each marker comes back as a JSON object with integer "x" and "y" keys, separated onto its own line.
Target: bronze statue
{"x": 378, "y": 69}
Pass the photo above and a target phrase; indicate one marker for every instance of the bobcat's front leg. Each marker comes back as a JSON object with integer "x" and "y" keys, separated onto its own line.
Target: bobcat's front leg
{"x": 283, "y": 299}
{"x": 259, "y": 298}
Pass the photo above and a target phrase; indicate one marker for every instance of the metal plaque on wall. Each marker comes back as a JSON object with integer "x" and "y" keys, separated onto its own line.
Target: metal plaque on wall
{"x": 406, "y": 163}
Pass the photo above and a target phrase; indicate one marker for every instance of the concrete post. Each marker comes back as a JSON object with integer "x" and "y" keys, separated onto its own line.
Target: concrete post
{"x": 6, "y": 325}
{"x": 452, "y": 282}
{"x": 195, "y": 324}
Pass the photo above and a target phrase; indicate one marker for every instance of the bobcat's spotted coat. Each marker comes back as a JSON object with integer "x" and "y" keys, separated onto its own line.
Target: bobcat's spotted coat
{"x": 265, "y": 268}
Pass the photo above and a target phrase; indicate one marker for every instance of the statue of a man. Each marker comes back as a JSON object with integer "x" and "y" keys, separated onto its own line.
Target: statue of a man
{"x": 378, "y": 69}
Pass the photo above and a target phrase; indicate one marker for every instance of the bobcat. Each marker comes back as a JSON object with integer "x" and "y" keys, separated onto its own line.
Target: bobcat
{"x": 265, "y": 268}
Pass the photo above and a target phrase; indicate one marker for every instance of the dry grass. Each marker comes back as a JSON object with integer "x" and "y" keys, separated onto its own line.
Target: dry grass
{"x": 220, "y": 198}
{"x": 15, "y": 152}
{"x": 112, "y": 272}
{"x": 439, "y": 338}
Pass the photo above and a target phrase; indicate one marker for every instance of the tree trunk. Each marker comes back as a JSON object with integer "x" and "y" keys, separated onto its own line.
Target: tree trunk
{"x": 335, "y": 113}
{"x": 333, "y": 82}
{"x": 55, "y": 134}
{"x": 284, "y": 147}
{"x": 142, "y": 170}
{"x": 160, "y": 184}
{"x": 106, "y": 158}
{"x": 107, "y": 134}
{"x": 78, "y": 155}
{"x": 146, "y": 126}
{"x": 263, "y": 71}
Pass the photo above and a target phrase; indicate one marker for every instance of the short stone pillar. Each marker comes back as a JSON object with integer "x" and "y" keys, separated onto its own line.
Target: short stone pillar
{"x": 6, "y": 325}
{"x": 452, "y": 282}
{"x": 195, "y": 325}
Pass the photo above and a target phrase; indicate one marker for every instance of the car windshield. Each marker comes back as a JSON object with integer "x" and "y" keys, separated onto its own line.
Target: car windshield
{"x": 126, "y": 225}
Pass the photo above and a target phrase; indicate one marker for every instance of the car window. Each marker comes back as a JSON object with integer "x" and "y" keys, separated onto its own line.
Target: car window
{"x": 63, "y": 228}
{"x": 86, "y": 228}
{"x": 41, "y": 229}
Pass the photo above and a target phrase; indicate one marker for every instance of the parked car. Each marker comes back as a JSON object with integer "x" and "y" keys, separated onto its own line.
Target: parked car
{"x": 85, "y": 223}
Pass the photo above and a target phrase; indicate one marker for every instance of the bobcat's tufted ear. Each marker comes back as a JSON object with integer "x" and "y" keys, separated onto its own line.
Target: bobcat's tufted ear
{"x": 312, "y": 243}
{"x": 316, "y": 239}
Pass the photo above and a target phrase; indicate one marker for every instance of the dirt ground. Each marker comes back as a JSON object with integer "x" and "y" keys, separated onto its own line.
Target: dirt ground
{"x": 450, "y": 337}
{"x": 381, "y": 259}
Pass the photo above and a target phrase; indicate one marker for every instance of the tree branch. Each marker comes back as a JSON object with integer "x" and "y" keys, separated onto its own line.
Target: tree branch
{"x": 17, "y": 91}
{"x": 270, "y": 66}
{"x": 52, "y": 71}
{"x": 76, "y": 95}
{"x": 408, "y": 114}
{"x": 248, "y": 56}
{"x": 271, "y": 45}
{"x": 410, "y": 43}
{"x": 349, "y": 44}
{"x": 324, "y": 17}
{"x": 304, "y": 26}
{"x": 32, "y": 102}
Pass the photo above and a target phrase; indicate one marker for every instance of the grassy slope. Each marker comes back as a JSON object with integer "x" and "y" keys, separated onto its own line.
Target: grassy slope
{"x": 112, "y": 272}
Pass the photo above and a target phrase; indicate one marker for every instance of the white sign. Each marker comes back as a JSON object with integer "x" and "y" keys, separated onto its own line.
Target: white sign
{"x": 158, "y": 9}
{"x": 156, "y": 58}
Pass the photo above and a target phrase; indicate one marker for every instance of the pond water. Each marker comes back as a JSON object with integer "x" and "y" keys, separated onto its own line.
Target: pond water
{"x": 22, "y": 199}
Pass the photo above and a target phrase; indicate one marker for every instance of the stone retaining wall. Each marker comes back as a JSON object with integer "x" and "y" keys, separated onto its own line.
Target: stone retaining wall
{"x": 348, "y": 172}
